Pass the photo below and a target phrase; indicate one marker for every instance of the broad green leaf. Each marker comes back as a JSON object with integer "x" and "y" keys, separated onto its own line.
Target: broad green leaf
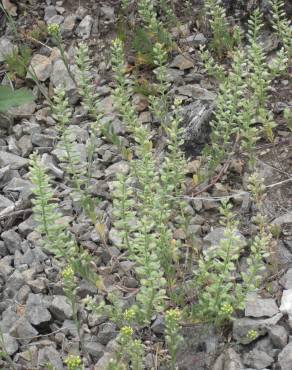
{"x": 12, "y": 98}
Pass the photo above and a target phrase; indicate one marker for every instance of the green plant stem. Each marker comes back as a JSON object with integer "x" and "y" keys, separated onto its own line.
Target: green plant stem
{"x": 65, "y": 60}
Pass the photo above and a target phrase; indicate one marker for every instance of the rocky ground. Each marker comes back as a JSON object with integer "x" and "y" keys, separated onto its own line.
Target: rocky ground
{"x": 36, "y": 320}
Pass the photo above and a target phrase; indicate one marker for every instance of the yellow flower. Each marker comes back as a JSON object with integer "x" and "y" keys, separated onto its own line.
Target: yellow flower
{"x": 73, "y": 362}
{"x": 54, "y": 29}
{"x": 173, "y": 314}
{"x": 129, "y": 314}
{"x": 68, "y": 273}
{"x": 252, "y": 334}
{"x": 227, "y": 308}
{"x": 127, "y": 331}
{"x": 177, "y": 102}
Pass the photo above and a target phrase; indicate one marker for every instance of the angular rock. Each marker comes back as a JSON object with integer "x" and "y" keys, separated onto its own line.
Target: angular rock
{"x": 60, "y": 153}
{"x": 158, "y": 326}
{"x": 232, "y": 360}
{"x": 260, "y": 307}
{"x": 5, "y": 203}
{"x": 196, "y": 92}
{"x": 42, "y": 140}
{"x": 14, "y": 161}
{"x": 36, "y": 311}
{"x": 285, "y": 358}
{"x": 9, "y": 317}
{"x": 282, "y": 254}
{"x": 140, "y": 102}
{"x": 242, "y": 327}
{"x": 50, "y": 11}
{"x": 107, "y": 105}
{"x": 282, "y": 220}
{"x": 196, "y": 118}
{"x": 10, "y": 344}
{"x": 121, "y": 167}
{"x": 286, "y": 303}
{"x": 25, "y": 145}
{"x": 52, "y": 168}
{"x": 38, "y": 285}
{"x": 198, "y": 349}
{"x": 14, "y": 283}
{"x": 81, "y": 12}
{"x": 23, "y": 329}
{"x": 3, "y": 250}
{"x": 258, "y": 359}
{"x": 22, "y": 294}
{"x": 106, "y": 333}
{"x": 214, "y": 237}
{"x": 264, "y": 344}
{"x": 279, "y": 336}
{"x": 70, "y": 327}
{"x": 27, "y": 226}
{"x": 41, "y": 66}
{"x": 6, "y": 121}
{"x": 173, "y": 75}
{"x": 49, "y": 355}
{"x": 60, "y": 76}
{"x": 56, "y": 19}
{"x": 29, "y": 358}
{"x": 197, "y": 40}
{"x": 84, "y": 28}
{"x": 104, "y": 362}
{"x": 6, "y": 48}
{"x": 60, "y": 308}
{"x": 68, "y": 25}
{"x": 6, "y": 175}
{"x": 12, "y": 240}
{"x": 108, "y": 12}
{"x": 24, "y": 187}
{"x": 86, "y": 288}
{"x": 181, "y": 62}
{"x": 96, "y": 350}
{"x": 23, "y": 111}
{"x": 286, "y": 280}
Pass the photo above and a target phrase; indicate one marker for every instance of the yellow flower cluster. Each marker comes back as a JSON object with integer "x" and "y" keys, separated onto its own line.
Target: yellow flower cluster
{"x": 252, "y": 334}
{"x": 129, "y": 314}
{"x": 173, "y": 314}
{"x": 127, "y": 331}
{"x": 73, "y": 362}
{"x": 68, "y": 273}
{"x": 227, "y": 309}
{"x": 54, "y": 29}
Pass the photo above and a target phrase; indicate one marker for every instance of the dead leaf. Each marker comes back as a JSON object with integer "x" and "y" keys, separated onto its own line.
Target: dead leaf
{"x": 10, "y": 8}
{"x": 20, "y": 310}
{"x": 100, "y": 284}
{"x": 101, "y": 231}
{"x": 195, "y": 180}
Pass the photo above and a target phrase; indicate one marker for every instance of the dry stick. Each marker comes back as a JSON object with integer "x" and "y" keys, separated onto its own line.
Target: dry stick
{"x": 40, "y": 335}
{"x": 37, "y": 41}
{"x": 215, "y": 179}
{"x": 232, "y": 195}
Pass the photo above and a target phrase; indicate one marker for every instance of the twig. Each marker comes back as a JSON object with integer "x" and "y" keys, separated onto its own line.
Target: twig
{"x": 231, "y": 195}
{"x": 215, "y": 179}
{"x": 37, "y": 41}
{"x": 41, "y": 335}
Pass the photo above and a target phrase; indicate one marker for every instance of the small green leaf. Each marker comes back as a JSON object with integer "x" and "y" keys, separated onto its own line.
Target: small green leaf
{"x": 12, "y": 98}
